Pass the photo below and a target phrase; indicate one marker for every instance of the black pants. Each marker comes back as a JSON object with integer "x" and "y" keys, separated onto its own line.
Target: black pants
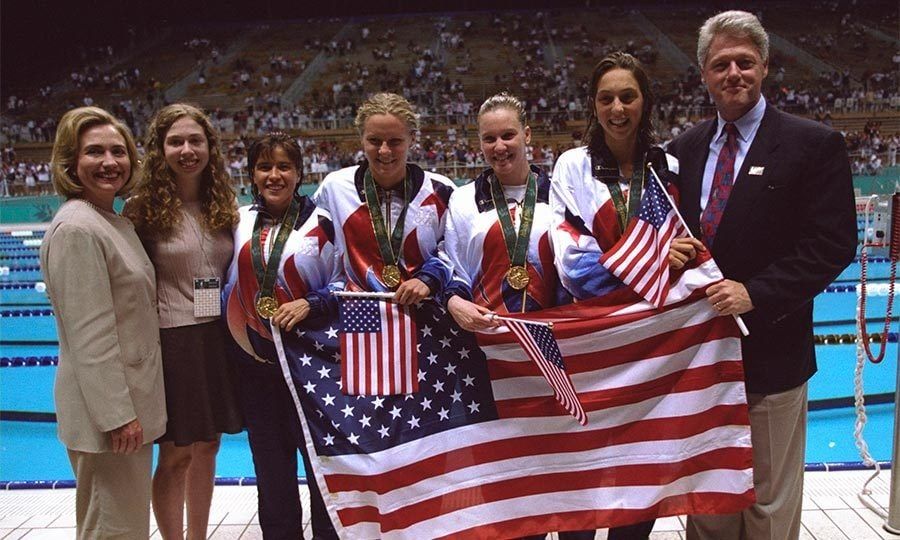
{"x": 275, "y": 436}
{"x": 637, "y": 531}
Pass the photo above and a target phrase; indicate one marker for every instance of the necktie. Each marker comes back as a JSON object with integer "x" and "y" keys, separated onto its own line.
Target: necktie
{"x": 723, "y": 180}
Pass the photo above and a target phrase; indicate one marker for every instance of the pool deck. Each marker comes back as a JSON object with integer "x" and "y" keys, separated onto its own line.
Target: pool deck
{"x": 831, "y": 511}
{"x": 831, "y": 507}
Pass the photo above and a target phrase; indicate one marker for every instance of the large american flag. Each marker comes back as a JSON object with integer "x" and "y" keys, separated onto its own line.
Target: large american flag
{"x": 378, "y": 344}
{"x": 641, "y": 257}
{"x": 539, "y": 344}
{"x": 484, "y": 449}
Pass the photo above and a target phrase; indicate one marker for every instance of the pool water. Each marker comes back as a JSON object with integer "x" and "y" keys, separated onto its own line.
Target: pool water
{"x": 29, "y": 449}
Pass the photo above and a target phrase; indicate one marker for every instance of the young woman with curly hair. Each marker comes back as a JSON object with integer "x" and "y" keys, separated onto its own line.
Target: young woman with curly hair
{"x": 184, "y": 213}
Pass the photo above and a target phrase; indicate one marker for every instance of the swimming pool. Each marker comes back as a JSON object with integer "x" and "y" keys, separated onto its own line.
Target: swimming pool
{"x": 29, "y": 450}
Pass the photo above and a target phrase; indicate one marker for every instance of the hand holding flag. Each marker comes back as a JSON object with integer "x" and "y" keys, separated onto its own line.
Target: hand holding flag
{"x": 669, "y": 211}
{"x": 537, "y": 341}
{"x": 641, "y": 258}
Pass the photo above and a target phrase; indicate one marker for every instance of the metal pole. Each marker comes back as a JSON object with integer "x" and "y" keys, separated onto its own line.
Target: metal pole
{"x": 893, "y": 521}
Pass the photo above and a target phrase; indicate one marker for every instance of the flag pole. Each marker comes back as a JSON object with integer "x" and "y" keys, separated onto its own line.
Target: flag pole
{"x": 368, "y": 294}
{"x": 494, "y": 316}
{"x": 364, "y": 294}
{"x": 737, "y": 318}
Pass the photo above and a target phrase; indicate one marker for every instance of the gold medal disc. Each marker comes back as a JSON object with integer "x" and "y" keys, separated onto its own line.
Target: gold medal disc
{"x": 266, "y": 306}
{"x": 518, "y": 277}
{"x": 391, "y": 275}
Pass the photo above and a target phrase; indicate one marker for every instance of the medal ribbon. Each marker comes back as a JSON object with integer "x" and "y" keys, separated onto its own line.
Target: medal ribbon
{"x": 516, "y": 245}
{"x": 266, "y": 273}
{"x": 389, "y": 248}
{"x": 634, "y": 195}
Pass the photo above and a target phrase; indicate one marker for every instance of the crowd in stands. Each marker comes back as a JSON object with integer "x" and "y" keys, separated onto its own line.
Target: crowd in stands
{"x": 552, "y": 96}
{"x": 869, "y": 146}
{"x": 28, "y": 130}
{"x": 455, "y": 154}
{"x": 547, "y": 73}
{"x": 15, "y": 104}
{"x": 23, "y": 177}
{"x": 92, "y": 77}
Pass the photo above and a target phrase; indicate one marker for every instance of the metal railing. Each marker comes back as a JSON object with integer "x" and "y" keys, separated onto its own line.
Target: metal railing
{"x": 455, "y": 170}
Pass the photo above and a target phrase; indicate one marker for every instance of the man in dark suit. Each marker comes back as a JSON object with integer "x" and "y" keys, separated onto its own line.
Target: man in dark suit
{"x": 771, "y": 195}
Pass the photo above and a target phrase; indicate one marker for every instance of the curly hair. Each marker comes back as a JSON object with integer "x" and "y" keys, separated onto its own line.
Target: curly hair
{"x": 595, "y": 138}
{"x": 155, "y": 207}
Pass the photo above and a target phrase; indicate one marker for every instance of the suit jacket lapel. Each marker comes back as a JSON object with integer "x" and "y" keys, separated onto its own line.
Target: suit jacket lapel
{"x": 695, "y": 152}
{"x": 748, "y": 187}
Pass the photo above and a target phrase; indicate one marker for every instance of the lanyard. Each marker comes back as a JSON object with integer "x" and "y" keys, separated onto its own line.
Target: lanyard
{"x": 516, "y": 244}
{"x": 266, "y": 273}
{"x": 388, "y": 247}
{"x": 635, "y": 188}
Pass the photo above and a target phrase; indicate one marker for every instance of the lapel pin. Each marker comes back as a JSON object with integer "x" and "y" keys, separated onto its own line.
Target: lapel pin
{"x": 757, "y": 171}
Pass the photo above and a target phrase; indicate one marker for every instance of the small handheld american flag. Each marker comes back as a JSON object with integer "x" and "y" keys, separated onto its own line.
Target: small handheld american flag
{"x": 378, "y": 348}
{"x": 539, "y": 344}
{"x": 641, "y": 257}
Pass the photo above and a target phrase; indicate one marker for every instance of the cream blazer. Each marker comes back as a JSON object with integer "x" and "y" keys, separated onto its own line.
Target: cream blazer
{"x": 103, "y": 290}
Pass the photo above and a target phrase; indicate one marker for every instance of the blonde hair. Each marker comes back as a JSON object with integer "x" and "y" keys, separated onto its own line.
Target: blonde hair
{"x": 155, "y": 208}
{"x": 387, "y": 103}
{"x": 504, "y": 100}
{"x": 64, "y": 158}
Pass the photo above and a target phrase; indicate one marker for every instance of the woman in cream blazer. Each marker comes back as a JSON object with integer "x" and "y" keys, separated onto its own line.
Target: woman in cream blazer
{"x": 109, "y": 389}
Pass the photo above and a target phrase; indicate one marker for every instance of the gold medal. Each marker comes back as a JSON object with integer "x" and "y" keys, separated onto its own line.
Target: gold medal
{"x": 518, "y": 277}
{"x": 266, "y": 306}
{"x": 391, "y": 275}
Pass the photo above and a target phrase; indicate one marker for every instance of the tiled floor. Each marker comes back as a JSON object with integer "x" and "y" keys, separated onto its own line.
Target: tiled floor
{"x": 831, "y": 511}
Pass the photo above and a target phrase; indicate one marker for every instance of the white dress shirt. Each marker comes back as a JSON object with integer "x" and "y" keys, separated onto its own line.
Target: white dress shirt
{"x": 747, "y": 127}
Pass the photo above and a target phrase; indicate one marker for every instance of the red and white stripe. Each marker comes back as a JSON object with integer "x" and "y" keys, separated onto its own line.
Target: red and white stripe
{"x": 558, "y": 379}
{"x": 668, "y": 434}
{"x": 641, "y": 258}
{"x": 381, "y": 363}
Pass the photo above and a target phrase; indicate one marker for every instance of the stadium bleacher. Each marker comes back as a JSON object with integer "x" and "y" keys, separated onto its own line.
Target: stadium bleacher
{"x": 305, "y": 76}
